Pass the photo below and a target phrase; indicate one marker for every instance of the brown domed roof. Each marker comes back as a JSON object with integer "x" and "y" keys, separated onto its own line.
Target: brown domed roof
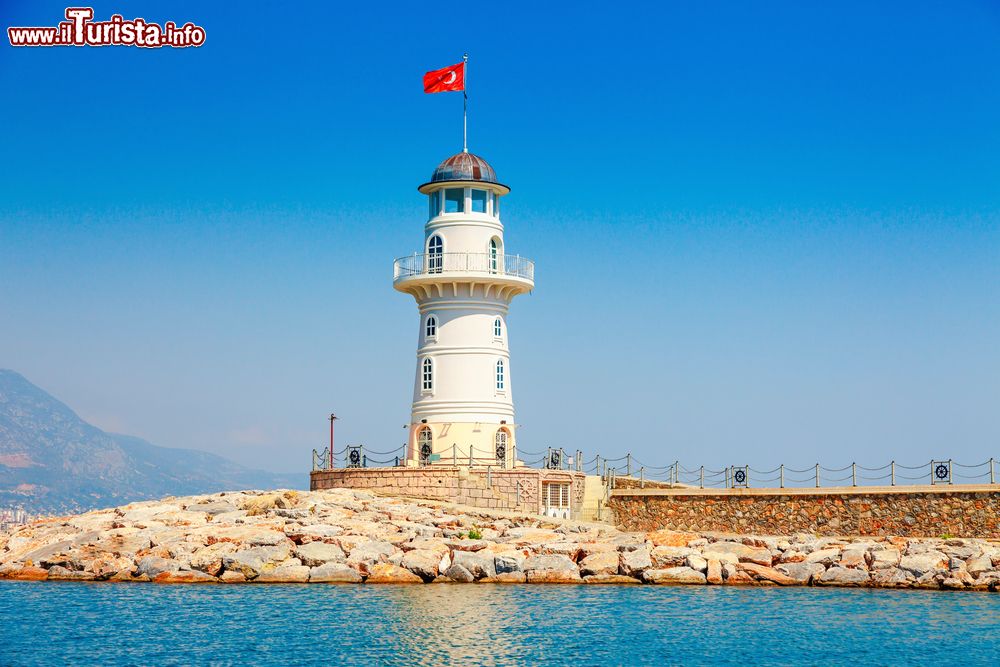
{"x": 464, "y": 167}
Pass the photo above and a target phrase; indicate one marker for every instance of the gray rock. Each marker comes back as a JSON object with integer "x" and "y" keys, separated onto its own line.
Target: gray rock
{"x": 890, "y": 577}
{"x": 922, "y": 563}
{"x": 286, "y": 574}
{"x": 885, "y": 558}
{"x": 334, "y": 573}
{"x": 422, "y": 562}
{"x": 556, "y": 562}
{"x": 507, "y": 563}
{"x": 315, "y": 554}
{"x": 743, "y": 552}
{"x": 843, "y": 576}
{"x": 824, "y": 556}
{"x": 635, "y": 562}
{"x": 251, "y": 562}
{"x": 975, "y": 566}
{"x": 370, "y": 553}
{"x": 673, "y": 575}
{"x": 478, "y": 565}
{"x": 459, "y": 574}
{"x": 801, "y": 572}
{"x": 696, "y": 562}
{"x": 214, "y": 507}
{"x": 153, "y": 565}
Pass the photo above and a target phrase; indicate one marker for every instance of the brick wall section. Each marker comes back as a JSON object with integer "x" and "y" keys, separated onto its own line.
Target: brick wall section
{"x": 496, "y": 490}
{"x": 960, "y": 511}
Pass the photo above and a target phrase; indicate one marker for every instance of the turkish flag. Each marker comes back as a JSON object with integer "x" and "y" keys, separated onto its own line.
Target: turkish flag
{"x": 445, "y": 80}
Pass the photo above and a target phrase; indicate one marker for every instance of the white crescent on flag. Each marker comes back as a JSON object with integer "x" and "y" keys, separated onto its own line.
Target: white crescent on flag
{"x": 450, "y": 77}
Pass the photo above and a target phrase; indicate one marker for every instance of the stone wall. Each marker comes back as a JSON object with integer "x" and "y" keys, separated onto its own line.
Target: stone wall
{"x": 506, "y": 489}
{"x": 926, "y": 511}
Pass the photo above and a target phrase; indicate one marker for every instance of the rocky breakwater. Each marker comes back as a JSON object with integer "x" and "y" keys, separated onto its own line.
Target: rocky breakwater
{"x": 348, "y": 536}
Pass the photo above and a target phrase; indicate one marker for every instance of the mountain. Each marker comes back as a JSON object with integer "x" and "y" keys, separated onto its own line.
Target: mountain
{"x": 51, "y": 461}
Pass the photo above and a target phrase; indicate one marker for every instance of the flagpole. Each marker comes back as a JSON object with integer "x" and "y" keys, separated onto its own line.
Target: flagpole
{"x": 465, "y": 104}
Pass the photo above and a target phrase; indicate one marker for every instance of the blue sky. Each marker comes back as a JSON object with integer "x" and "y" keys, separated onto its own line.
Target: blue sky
{"x": 763, "y": 234}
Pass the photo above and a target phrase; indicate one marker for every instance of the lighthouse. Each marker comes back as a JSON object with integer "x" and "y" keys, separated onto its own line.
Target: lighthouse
{"x": 463, "y": 280}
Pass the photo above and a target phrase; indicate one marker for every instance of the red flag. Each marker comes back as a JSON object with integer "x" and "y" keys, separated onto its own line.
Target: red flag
{"x": 445, "y": 80}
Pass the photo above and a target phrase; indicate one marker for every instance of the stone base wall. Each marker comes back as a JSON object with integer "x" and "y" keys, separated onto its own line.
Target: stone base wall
{"x": 927, "y": 511}
{"x": 516, "y": 489}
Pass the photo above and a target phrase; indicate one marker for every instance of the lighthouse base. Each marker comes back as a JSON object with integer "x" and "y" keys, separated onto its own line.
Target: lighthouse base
{"x": 555, "y": 493}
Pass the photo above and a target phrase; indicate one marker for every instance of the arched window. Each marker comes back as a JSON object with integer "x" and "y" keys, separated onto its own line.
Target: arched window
{"x": 435, "y": 254}
{"x": 496, "y": 249}
{"x": 425, "y": 444}
{"x": 497, "y": 328}
{"x": 500, "y": 375}
{"x": 428, "y": 375}
{"x": 431, "y": 328}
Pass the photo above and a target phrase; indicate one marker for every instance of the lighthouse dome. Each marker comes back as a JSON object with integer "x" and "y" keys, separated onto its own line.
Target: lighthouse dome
{"x": 464, "y": 167}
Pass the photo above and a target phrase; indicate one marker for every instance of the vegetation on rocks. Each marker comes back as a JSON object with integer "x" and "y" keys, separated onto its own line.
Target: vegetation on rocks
{"x": 348, "y": 536}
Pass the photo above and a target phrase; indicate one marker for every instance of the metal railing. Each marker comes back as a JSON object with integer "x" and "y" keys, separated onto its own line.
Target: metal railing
{"x": 420, "y": 264}
{"x": 627, "y": 467}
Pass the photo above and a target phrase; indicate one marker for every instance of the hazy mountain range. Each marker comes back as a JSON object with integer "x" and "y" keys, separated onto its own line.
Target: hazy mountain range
{"x": 51, "y": 461}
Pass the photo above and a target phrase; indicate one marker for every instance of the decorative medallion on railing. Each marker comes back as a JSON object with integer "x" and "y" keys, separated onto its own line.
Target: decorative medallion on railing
{"x": 355, "y": 456}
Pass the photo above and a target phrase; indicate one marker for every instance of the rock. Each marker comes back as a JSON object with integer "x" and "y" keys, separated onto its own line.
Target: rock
{"x": 824, "y": 556}
{"x": 213, "y": 507}
{"x": 106, "y": 566}
{"x": 334, "y": 573}
{"x": 801, "y": 573}
{"x": 371, "y": 552}
{"x": 459, "y": 574}
{"x": 714, "y": 571}
{"x": 60, "y": 573}
{"x": 696, "y": 562}
{"x": 553, "y": 576}
{"x": 255, "y": 560}
{"x": 664, "y": 557}
{"x": 152, "y": 566}
{"x": 286, "y": 574}
{"x": 923, "y": 563}
{"x": 422, "y": 562}
{"x": 885, "y": 558}
{"x": 507, "y": 578}
{"x": 890, "y": 577}
{"x": 670, "y": 538}
{"x": 549, "y": 562}
{"x": 609, "y": 579}
{"x": 976, "y": 566}
{"x": 635, "y": 562}
{"x": 770, "y": 574}
{"x": 744, "y": 553}
{"x": 673, "y": 575}
{"x": 601, "y": 562}
{"x": 843, "y": 576}
{"x": 184, "y": 577}
{"x": 480, "y": 565}
{"x": 512, "y": 563}
{"x": 854, "y": 558}
{"x": 315, "y": 554}
{"x": 387, "y": 573}
{"x": 28, "y": 573}
{"x": 209, "y": 559}
{"x": 229, "y": 577}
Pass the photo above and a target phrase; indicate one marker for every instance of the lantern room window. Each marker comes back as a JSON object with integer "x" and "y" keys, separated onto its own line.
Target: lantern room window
{"x": 454, "y": 200}
{"x": 479, "y": 201}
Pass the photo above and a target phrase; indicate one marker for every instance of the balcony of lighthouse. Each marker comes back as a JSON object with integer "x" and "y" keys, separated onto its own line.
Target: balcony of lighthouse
{"x": 423, "y": 274}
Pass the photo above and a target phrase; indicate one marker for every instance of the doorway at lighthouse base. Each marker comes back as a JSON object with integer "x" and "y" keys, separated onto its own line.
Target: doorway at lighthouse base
{"x": 554, "y": 493}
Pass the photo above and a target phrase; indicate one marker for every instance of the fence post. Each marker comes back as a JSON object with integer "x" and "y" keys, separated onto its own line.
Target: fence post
{"x": 951, "y": 478}
{"x": 892, "y": 473}
{"x": 702, "y": 477}
{"x": 397, "y": 461}
{"x": 854, "y": 474}
{"x": 454, "y": 455}
{"x": 817, "y": 475}
{"x": 991, "y": 471}
{"x": 628, "y": 464}
{"x": 781, "y": 476}
{"x": 642, "y": 477}
{"x": 677, "y": 465}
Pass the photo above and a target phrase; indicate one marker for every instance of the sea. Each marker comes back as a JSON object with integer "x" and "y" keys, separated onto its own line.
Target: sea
{"x": 78, "y": 623}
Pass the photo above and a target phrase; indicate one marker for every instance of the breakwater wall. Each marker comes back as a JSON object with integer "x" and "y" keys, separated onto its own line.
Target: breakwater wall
{"x": 914, "y": 511}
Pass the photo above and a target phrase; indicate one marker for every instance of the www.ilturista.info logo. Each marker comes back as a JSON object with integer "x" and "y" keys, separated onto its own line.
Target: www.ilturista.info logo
{"x": 80, "y": 30}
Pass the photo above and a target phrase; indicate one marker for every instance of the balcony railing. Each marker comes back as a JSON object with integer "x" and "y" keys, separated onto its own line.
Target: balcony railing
{"x": 421, "y": 264}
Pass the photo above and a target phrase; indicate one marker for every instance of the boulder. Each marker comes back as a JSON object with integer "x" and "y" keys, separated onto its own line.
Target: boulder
{"x": 801, "y": 573}
{"x": 853, "y": 558}
{"x": 387, "y": 573}
{"x": 507, "y": 578}
{"x": 184, "y": 577}
{"x": 824, "y": 556}
{"x": 460, "y": 574}
{"x": 209, "y": 559}
{"x": 764, "y": 573}
{"x": 153, "y": 565}
{"x": 635, "y": 562}
{"x": 609, "y": 579}
{"x": 696, "y": 562}
{"x": 478, "y": 564}
{"x": 673, "y": 575}
{"x": 334, "y": 573}
{"x": 664, "y": 557}
{"x": 60, "y": 573}
{"x": 600, "y": 562}
{"x": 231, "y": 577}
{"x": 422, "y": 562}
{"x": 285, "y": 574}
{"x": 371, "y": 552}
{"x": 514, "y": 563}
{"x": 552, "y": 576}
{"x": 923, "y": 563}
{"x": 713, "y": 571}
{"x": 744, "y": 553}
{"x": 251, "y": 562}
{"x": 890, "y": 577}
{"x": 315, "y": 554}
{"x": 885, "y": 558}
{"x": 670, "y": 538}
{"x": 843, "y": 576}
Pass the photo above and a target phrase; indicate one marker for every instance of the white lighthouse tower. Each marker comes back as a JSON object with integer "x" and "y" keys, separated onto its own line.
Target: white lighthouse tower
{"x": 463, "y": 281}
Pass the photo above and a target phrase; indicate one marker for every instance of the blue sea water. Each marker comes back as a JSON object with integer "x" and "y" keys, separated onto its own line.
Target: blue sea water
{"x": 44, "y": 623}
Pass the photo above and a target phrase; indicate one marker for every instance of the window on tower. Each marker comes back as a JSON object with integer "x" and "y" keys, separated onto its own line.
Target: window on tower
{"x": 435, "y": 254}
{"x": 500, "y": 374}
{"x": 454, "y": 200}
{"x": 428, "y": 375}
{"x": 479, "y": 201}
{"x": 431, "y": 328}
{"x": 497, "y": 328}
{"x": 435, "y": 204}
